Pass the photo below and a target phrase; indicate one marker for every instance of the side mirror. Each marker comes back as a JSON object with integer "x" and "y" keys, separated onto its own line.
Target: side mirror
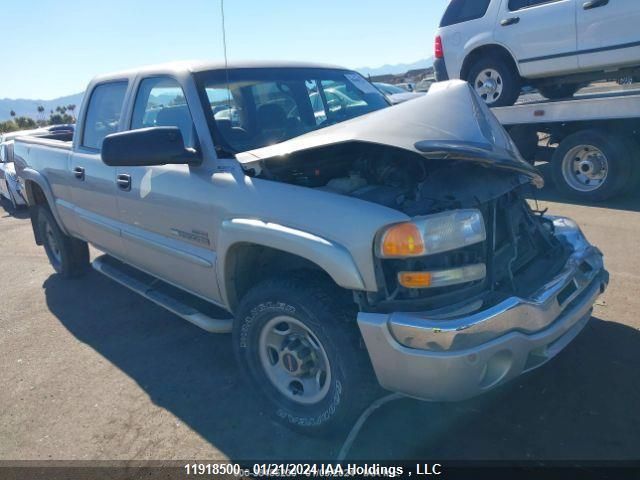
{"x": 147, "y": 147}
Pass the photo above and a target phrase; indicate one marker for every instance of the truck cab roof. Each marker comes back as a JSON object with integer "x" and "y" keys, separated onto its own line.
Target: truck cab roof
{"x": 192, "y": 66}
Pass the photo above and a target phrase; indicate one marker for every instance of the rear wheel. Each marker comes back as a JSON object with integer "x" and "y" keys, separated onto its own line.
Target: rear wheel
{"x": 68, "y": 256}
{"x": 298, "y": 345}
{"x": 495, "y": 80}
{"x": 592, "y": 165}
{"x": 556, "y": 92}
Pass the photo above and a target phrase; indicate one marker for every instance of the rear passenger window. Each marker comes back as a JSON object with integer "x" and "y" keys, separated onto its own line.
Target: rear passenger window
{"x": 161, "y": 103}
{"x": 460, "y": 11}
{"x": 520, "y": 4}
{"x": 103, "y": 113}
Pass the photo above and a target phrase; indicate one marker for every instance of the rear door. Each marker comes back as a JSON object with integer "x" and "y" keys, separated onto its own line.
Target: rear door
{"x": 93, "y": 184}
{"x": 608, "y": 33}
{"x": 541, "y": 34}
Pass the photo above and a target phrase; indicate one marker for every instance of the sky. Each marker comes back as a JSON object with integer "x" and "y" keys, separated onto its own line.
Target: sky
{"x": 52, "y": 48}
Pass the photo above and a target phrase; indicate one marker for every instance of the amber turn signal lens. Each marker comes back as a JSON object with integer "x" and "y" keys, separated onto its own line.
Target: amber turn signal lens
{"x": 403, "y": 240}
{"x": 415, "y": 279}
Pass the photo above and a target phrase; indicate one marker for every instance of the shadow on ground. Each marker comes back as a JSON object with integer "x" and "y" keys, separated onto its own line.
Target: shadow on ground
{"x": 7, "y": 210}
{"x": 583, "y": 405}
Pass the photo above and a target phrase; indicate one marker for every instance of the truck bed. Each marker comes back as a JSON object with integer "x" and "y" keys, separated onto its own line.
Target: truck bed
{"x": 601, "y": 105}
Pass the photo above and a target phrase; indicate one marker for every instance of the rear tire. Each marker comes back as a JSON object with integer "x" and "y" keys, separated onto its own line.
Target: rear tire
{"x": 285, "y": 323}
{"x": 68, "y": 256}
{"x": 495, "y": 80}
{"x": 592, "y": 165}
{"x": 557, "y": 92}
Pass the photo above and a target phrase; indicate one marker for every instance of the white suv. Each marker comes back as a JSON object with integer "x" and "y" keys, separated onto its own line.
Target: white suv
{"x": 501, "y": 45}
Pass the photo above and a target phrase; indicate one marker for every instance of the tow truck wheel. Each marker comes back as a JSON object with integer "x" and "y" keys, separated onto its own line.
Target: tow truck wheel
{"x": 592, "y": 165}
{"x": 298, "y": 345}
{"x": 68, "y": 256}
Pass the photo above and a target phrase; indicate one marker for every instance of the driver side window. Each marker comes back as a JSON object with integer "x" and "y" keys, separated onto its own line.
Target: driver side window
{"x": 161, "y": 102}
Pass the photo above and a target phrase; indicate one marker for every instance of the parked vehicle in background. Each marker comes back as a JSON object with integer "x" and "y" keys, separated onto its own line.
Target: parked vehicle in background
{"x": 365, "y": 243}
{"x": 425, "y": 84}
{"x": 597, "y": 137}
{"x": 408, "y": 86}
{"x": 555, "y": 45}
{"x": 10, "y": 187}
{"x": 14, "y": 189}
{"x": 627, "y": 80}
{"x": 396, "y": 94}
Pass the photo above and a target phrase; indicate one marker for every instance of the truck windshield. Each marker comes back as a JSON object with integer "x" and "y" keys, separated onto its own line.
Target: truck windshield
{"x": 256, "y": 107}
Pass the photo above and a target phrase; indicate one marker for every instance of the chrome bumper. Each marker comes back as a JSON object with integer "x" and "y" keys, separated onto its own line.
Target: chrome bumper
{"x": 458, "y": 355}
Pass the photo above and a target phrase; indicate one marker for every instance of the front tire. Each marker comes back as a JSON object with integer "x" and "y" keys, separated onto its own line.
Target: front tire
{"x": 68, "y": 256}
{"x": 592, "y": 165}
{"x": 298, "y": 345}
{"x": 495, "y": 80}
{"x": 557, "y": 92}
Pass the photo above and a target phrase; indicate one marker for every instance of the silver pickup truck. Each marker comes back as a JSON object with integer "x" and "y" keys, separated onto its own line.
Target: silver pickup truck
{"x": 347, "y": 244}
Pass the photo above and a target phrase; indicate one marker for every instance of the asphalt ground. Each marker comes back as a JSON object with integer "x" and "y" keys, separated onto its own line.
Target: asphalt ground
{"x": 89, "y": 370}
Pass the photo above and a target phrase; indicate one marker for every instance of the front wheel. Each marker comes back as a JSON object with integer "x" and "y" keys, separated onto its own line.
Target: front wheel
{"x": 592, "y": 165}
{"x": 495, "y": 81}
{"x": 557, "y": 92}
{"x": 298, "y": 345}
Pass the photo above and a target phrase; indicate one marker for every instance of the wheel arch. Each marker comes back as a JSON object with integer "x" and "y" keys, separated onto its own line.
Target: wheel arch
{"x": 250, "y": 251}
{"x": 38, "y": 193}
{"x": 491, "y": 49}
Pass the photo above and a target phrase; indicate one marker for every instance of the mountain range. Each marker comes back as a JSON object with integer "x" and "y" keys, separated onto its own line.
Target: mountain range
{"x": 29, "y": 108}
{"x": 396, "y": 69}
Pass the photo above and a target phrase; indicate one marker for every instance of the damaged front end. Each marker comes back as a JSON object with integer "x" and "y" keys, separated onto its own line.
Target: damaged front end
{"x": 475, "y": 287}
{"x": 445, "y": 152}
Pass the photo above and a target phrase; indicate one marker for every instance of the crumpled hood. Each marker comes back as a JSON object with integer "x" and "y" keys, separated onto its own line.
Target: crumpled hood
{"x": 450, "y": 122}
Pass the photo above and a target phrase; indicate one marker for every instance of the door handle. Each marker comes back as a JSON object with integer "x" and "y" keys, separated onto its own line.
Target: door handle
{"x": 595, "y": 4}
{"x": 78, "y": 172}
{"x": 510, "y": 21}
{"x": 124, "y": 182}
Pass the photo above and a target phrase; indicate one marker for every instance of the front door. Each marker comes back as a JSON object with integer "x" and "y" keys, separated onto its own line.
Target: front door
{"x": 608, "y": 34}
{"x": 541, "y": 34}
{"x": 166, "y": 210}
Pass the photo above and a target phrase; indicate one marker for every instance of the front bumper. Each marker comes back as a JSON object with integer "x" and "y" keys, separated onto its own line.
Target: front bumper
{"x": 454, "y": 356}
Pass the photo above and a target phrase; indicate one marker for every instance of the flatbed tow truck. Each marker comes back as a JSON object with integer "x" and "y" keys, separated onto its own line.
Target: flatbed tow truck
{"x": 591, "y": 140}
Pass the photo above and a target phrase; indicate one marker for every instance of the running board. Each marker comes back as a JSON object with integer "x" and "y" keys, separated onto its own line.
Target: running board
{"x": 187, "y": 306}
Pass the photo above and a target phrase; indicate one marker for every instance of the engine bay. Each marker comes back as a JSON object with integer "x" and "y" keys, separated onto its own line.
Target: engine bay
{"x": 393, "y": 178}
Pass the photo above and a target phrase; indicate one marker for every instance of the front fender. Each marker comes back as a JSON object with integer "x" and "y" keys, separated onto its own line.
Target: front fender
{"x": 30, "y": 175}
{"x": 331, "y": 257}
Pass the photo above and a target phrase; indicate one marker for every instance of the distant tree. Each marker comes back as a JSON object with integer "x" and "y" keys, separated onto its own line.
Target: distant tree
{"x": 178, "y": 100}
{"x": 60, "y": 119}
{"x": 25, "y": 123}
{"x": 72, "y": 108}
{"x": 40, "y": 112}
{"x": 12, "y": 113}
{"x": 8, "y": 126}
